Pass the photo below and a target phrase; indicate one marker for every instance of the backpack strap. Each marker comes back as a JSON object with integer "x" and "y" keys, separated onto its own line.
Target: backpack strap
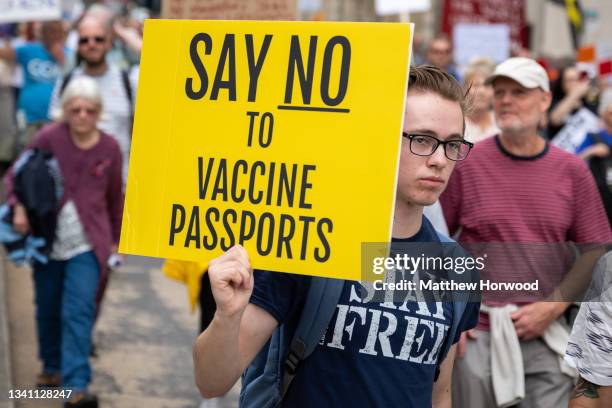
{"x": 319, "y": 307}
{"x": 458, "y": 310}
{"x": 65, "y": 81}
{"x": 444, "y": 239}
{"x": 125, "y": 79}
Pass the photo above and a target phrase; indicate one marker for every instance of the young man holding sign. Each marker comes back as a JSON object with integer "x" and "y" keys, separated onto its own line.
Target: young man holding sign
{"x": 372, "y": 354}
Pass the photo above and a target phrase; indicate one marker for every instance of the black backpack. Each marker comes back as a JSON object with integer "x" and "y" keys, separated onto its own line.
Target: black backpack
{"x": 601, "y": 167}
{"x": 38, "y": 186}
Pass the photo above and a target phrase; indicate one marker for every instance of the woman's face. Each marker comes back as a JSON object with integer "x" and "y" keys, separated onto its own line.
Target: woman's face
{"x": 81, "y": 115}
{"x": 480, "y": 93}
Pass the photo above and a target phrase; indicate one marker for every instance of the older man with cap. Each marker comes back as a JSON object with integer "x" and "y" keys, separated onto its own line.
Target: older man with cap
{"x": 517, "y": 188}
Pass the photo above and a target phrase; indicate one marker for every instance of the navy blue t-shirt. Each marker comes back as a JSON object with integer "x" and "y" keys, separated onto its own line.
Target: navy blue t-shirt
{"x": 372, "y": 354}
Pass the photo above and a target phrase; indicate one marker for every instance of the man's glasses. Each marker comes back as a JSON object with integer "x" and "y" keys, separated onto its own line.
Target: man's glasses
{"x": 425, "y": 145}
{"x": 96, "y": 39}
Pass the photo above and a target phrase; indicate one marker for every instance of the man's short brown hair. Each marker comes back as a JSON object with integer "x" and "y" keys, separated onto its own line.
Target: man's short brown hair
{"x": 427, "y": 78}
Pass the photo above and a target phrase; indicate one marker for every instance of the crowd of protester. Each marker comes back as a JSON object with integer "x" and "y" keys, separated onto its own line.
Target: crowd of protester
{"x": 519, "y": 187}
{"x": 69, "y": 87}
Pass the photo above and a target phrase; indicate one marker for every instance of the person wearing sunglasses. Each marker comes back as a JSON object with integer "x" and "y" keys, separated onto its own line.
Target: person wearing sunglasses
{"x": 519, "y": 190}
{"x": 118, "y": 88}
{"x": 372, "y": 354}
{"x": 86, "y": 233}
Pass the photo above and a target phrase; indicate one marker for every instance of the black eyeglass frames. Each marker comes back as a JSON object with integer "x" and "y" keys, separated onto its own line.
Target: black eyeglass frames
{"x": 426, "y": 145}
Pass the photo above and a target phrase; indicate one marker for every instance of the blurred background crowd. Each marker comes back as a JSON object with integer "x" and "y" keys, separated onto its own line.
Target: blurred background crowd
{"x": 45, "y": 49}
{"x": 467, "y": 38}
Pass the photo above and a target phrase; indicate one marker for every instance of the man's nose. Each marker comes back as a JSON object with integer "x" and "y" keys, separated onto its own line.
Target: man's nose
{"x": 505, "y": 98}
{"x": 438, "y": 157}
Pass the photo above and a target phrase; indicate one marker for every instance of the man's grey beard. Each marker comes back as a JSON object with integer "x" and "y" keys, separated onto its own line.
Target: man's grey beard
{"x": 95, "y": 64}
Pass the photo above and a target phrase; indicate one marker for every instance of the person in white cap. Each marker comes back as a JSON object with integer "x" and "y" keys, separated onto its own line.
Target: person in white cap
{"x": 517, "y": 188}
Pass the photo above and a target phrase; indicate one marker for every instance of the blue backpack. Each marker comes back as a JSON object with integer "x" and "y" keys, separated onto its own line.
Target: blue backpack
{"x": 267, "y": 378}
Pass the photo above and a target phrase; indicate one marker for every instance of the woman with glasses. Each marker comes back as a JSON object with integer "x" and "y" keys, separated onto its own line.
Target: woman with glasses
{"x": 87, "y": 232}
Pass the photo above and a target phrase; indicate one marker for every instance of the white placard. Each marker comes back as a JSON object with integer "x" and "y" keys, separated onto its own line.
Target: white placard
{"x": 309, "y": 6}
{"x": 386, "y": 7}
{"x": 12, "y": 11}
{"x": 480, "y": 40}
{"x": 571, "y": 136}
{"x": 603, "y": 51}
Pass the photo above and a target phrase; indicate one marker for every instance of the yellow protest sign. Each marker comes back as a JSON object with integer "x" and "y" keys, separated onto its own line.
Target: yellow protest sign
{"x": 283, "y": 137}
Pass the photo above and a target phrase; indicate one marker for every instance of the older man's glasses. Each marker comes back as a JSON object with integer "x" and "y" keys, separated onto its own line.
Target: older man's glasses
{"x": 95, "y": 39}
{"x": 426, "y": 145}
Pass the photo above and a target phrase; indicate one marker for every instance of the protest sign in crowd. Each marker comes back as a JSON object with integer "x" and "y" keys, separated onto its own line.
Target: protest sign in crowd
{"x": 367, "y": 215}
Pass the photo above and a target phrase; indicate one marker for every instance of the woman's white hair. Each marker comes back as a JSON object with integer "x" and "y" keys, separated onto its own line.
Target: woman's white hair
{"x": 80, "y": 87}
{"x": 482, "y": 65}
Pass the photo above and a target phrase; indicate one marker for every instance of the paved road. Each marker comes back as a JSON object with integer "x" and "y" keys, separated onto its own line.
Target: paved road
{"x": 143, "y": 336}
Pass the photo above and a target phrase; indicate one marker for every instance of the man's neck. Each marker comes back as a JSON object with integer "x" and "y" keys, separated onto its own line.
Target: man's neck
{"x": 407, "y": 220}
{"x": 95, "y": 70}
{"x": 527, "y": 144}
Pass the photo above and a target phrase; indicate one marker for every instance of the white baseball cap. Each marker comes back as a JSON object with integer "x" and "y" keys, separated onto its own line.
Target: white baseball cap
{"x": 525, "y": 71}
